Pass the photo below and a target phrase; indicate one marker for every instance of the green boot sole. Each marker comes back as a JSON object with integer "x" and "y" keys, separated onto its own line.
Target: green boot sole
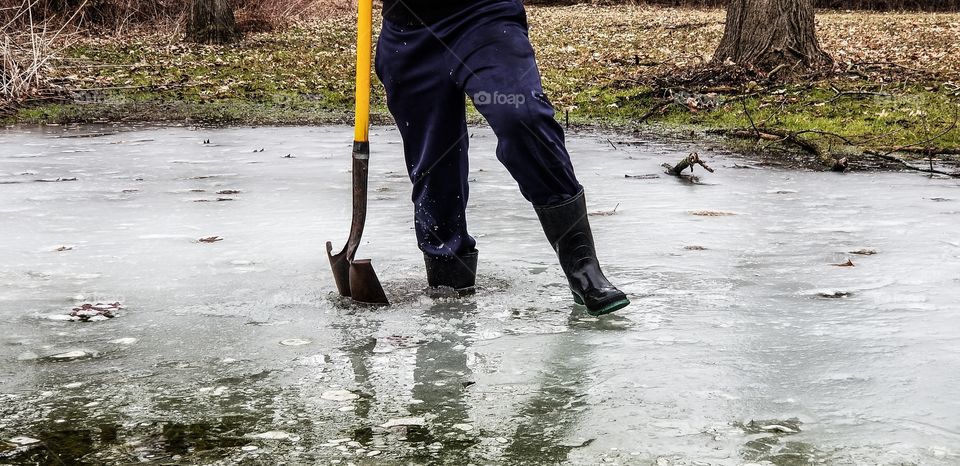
{"x": 612, "y": 307}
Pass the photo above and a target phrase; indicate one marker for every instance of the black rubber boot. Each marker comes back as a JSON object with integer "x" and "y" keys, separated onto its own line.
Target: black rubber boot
{"x": 568, "y": 230}
{"x": 459, "y": 272}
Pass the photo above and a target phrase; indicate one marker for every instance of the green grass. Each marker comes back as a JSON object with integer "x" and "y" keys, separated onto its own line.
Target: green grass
{"x": 904, "y": 117}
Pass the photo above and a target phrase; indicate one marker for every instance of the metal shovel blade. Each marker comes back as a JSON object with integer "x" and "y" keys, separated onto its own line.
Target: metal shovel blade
{"x": 365, "y": 287}
{"x": 341, "y": 270}
{"x": 356, "y": 279}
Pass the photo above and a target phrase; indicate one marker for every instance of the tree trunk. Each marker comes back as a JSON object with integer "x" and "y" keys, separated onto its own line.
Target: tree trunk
{"x": 767, "y": 34}
{"x": 212, "y": 22}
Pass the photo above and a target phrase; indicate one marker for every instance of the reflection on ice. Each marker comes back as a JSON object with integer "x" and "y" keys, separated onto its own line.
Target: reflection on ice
{"x": 745, "y": 343}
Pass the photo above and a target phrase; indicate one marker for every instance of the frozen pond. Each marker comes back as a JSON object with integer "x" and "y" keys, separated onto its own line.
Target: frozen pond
{"x": 745, "y": 342}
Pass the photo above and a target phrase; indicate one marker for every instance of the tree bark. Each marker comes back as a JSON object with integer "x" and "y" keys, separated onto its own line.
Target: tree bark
{"x": 771, "y": 34}
{"x": 212, "y": 22}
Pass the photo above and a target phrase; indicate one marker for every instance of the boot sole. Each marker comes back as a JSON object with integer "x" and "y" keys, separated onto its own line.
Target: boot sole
{"x": 606, "y": 309}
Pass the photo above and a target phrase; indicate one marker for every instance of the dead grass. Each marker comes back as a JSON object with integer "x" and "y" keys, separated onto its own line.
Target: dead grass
{"x": 118, "y": 17}
{"x": 29, "y": 44}
{"x": 267, "y": 15}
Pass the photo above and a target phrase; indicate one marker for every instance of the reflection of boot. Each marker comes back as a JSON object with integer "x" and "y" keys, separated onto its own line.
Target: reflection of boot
{"x": 568, "y": 231}
{"x": 457, "y": 272}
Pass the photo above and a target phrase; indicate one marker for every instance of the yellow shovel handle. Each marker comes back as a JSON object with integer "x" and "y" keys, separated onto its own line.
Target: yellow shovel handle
{"x": 361, "y": 132}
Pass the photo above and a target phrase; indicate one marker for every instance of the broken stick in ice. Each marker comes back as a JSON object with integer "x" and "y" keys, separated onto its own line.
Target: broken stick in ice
{"x": 689, "y": 161}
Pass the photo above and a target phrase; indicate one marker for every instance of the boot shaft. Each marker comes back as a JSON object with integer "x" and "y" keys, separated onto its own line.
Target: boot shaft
{"x": 567, "y": 227}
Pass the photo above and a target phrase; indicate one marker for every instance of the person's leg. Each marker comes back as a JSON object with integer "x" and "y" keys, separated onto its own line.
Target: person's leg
{"x": 429, "y": 111}
{"x": 495, "y": 64}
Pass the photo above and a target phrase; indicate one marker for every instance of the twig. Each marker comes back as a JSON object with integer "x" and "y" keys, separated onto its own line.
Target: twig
{"x": 840, "y": 94}
{"x": 605, "y": 213}
{"x": 693, "y": 25}
{"x": 689, "y": 161}
{"x": 750, "y": 117}
{"x": 745, "y": 134}
{"x": 826, "y": 133}
{"x": 776, "y": 70}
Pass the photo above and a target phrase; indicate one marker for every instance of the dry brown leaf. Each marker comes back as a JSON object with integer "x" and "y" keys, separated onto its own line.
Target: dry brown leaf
{"x": 711, "y": 213}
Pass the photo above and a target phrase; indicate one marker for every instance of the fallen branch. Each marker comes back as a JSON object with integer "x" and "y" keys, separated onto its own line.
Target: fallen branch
{"x": 743, "y": 134}
{"x": 650, "y": 176}
{"x": 690, "y": 162}
{"x": 776, "y": 135}
{"x": 907, "y": 165}
{"x": 794, "y": 137}
{"x": 776, "y": 70}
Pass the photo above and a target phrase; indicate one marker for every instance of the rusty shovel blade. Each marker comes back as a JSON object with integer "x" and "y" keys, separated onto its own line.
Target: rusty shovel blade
{"x": 356, "y": 279}
{"x": 365, "y": 287}
{"x": 341, "y": 270}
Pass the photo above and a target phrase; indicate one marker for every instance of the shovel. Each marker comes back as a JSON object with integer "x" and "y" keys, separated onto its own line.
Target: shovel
{"x": 355, "y": 277}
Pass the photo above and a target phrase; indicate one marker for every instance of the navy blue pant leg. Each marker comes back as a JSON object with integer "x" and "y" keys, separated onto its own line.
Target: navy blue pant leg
{"x": 494, "y": 63}
{"x": 430, "y": 113}
{"x": 485, "y": 53}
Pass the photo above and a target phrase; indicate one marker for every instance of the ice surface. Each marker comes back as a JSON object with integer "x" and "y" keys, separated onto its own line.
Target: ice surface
{"x": 230, "y": 329}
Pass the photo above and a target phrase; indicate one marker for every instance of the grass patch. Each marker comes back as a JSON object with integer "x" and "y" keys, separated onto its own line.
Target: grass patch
{"x": 900, "y": 118}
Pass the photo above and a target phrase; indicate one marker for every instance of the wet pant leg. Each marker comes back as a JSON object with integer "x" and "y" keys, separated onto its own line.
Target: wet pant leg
{"x": 430, "y": 112}
{"x": 493, "y": 61}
